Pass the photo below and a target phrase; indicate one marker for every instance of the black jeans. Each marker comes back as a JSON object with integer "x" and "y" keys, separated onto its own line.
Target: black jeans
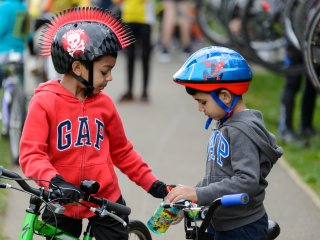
{"x": 257, "y": 230}
{"x": 294, "y": 84}
{"x": 105, "y": 228}
{"x": 142, "y": 32}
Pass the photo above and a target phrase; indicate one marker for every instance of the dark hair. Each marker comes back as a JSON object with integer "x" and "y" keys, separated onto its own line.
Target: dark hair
{"x": 192, "y": 91}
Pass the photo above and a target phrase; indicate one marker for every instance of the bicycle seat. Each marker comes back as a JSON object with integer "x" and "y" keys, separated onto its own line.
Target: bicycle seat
{"x": 273, "y": 230}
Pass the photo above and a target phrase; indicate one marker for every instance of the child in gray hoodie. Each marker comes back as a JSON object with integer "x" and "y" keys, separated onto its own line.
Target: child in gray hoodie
{"x": 241, "y": 151}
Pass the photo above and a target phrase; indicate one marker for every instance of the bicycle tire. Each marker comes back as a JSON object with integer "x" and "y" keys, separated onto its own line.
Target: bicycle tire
{"x": 138, "y": 230}
{"x": 209, "y": 16}
{"x": 5, "y": 111}
{"x": 290, "y": 13}
{"x": 268, "y": 39}
{"x": 16, "y": 122}
{"x": 311, "y": 49}
{"x": 301, "y": 17}
{"x": 233, "y": 15}
{"x": 4, "y": 131}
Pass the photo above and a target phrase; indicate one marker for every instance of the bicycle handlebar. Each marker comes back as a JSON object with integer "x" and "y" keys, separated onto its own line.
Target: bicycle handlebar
{"x": 49, "y": 195}
{"x": 225, "y": 200}
{"x": 23, "y": 184}
{"x": 206, "y": 212}
{"x": 235, "y": 199}
{"x": 112, "y": 206}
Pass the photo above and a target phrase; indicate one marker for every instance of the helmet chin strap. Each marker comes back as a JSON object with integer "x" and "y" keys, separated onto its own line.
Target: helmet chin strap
{"x": 229, "y": 110}
{"x": 88, "y": 90}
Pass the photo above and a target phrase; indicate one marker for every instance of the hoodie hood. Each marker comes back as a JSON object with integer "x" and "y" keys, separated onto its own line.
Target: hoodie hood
{"x": 55, "y": 87}
{"x": 251, "y": 123}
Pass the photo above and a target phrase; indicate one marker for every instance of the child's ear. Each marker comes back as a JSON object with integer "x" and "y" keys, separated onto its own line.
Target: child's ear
{"x": 226, "y": 96}
{"x": 76, "y": 67}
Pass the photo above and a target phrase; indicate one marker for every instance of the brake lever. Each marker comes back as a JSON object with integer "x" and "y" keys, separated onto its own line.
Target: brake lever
{"x": 56, "y": 208}
{"x": 4, "y": 185}
{"x": 104, "y": 213}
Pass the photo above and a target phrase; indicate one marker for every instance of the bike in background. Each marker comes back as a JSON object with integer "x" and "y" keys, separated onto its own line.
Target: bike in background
{"x": 13, "y": 101}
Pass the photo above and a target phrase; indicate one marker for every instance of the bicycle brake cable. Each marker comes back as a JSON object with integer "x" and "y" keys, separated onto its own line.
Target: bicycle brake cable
{"x": 24, "y": 179}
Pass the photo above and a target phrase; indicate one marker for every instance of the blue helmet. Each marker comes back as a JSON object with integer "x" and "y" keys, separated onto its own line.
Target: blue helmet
{"x": 214, "y": 67}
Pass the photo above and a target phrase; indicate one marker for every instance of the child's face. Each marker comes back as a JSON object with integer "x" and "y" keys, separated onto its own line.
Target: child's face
{"x": 102, "y": 72}
{"x": 208, "y": 106}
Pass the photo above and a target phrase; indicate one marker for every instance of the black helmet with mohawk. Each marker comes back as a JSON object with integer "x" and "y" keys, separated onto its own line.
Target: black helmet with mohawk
{"x": 83, "y": 34}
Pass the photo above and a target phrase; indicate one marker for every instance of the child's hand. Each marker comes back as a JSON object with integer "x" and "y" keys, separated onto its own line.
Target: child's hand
{"x": 182, "y": 192}
{"x": 158, "y": 189}
{"x": 70, "y": 193}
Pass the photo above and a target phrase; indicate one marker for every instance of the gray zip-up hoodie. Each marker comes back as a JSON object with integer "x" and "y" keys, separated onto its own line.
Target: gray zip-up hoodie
{"x": 241, "y": 153}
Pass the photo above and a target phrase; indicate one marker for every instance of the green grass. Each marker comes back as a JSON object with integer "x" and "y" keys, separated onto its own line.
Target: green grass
{"x": 4, "y": 161}
{"x": 264, "y": 94}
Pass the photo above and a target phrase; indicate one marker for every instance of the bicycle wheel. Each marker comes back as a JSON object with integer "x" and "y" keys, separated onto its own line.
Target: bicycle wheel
{"x": 138, "y": 230}
{"x": 232, "y": 19}
{"x": 3, "y": 114}
{"x": 209, "y": 16}
{"x": 5, "y": 109}
{"x": 290, "y": 13}
{"x": 263, "y": 31}
{"x": 311, "y": 50}
{"x": 17, "y": 117}
{"x": 304, "y": 11}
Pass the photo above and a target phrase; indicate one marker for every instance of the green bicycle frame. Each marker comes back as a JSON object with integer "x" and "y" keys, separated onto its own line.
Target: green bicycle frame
{"x": 32, "y": 223}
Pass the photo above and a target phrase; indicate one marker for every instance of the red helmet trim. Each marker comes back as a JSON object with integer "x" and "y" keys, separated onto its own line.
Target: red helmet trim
{"x": 85, "y": 14}
{"x": 236, "y": 88}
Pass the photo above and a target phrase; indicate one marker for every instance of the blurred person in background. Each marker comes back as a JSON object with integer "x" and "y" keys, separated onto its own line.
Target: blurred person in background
{"x": 56, "y": 6}
{"x": 13, "y": 29}
{"x": 139, "y": 17}
{"x": 104, "y": 4}
{"x": 294, "y": 84}
{"x": 175, "y": 11}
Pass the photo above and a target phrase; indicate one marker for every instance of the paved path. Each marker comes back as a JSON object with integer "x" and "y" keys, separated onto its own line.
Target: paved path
{"x": 169, "y": 133}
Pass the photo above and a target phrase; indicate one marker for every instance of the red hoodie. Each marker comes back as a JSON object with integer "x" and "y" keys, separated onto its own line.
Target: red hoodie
{"x": 78, "y": 140}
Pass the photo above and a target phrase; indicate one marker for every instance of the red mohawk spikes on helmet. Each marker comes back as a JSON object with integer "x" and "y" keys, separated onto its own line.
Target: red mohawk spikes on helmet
{"x": 83, "y": 34}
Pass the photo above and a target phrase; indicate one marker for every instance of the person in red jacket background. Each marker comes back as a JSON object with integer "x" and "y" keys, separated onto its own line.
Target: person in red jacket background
{"x": 73, "y": 130}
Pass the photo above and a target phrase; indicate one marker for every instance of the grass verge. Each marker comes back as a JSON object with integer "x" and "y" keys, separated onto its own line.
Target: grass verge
{"x": 4, "y": 161}
{"x": 264, "y": 94}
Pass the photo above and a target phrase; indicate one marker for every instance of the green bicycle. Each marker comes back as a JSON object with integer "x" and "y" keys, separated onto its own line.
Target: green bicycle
{"x": 32, "y": 225}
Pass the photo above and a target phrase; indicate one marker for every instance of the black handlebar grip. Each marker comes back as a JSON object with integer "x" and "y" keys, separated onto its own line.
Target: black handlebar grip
{"x": 111, "y": 206}
{"x": 25, "y": 186}
{"x": 180, "y": 204}
{"x": 118, "y": 208}
{"x": 166, "y": 205}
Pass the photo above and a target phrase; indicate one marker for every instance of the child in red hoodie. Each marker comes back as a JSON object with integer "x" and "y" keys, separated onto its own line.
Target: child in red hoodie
{"x": 73, "y": 130}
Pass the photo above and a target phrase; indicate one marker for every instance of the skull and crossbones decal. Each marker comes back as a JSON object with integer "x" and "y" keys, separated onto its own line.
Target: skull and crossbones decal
{"x": 74, "y": 41}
